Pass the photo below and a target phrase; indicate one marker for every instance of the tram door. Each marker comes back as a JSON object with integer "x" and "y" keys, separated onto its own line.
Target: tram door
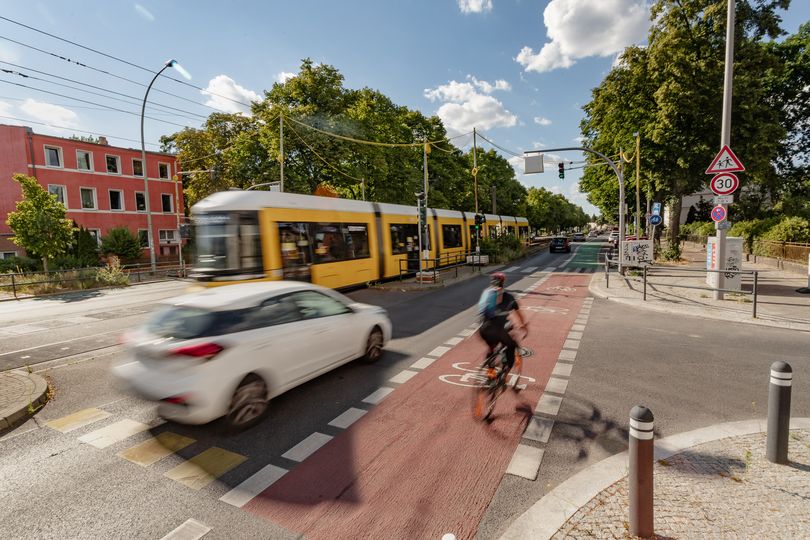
{"x": 296, "y": 251}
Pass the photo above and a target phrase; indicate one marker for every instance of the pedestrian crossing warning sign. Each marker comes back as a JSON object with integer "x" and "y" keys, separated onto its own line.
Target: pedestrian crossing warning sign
{"x": 725, "y": 161}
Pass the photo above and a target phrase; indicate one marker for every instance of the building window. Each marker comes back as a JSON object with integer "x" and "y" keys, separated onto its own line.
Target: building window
{"x": 84, "y": 160}
{"x": 168, "y": 236}
{"x": 116, "y": 199}
{"x": 60, "y": 192}
{"x": 88, "y": 198}
{"x": 7, "y": 254}
{"x": 143, "y": 236}
{"x": 140, "y": 202}
{"x": 113, "y": 164}
{"x": 163, "y": 170}
{"x": 137, "y": 167}
{"x": 53, "y": 156}
{"x": 451, "y": 236}
{"x": 166, "y": 200}
{"x": 96, "y": 234}
{"x": 404, "y": 238}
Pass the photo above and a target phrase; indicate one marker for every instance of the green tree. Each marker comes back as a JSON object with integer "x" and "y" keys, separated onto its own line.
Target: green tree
{"x": 85, "y": 247}
{"x": 39, "y": 223}
{"x": 122, "y": 243}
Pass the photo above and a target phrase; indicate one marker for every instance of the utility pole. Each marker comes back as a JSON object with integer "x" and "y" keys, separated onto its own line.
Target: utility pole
{"x": 638, "y": 186}
{"x": 281, "y": 147}
{"x": 363, "y": 185}
{"x": 494, "y": 206}
{"x": 425, "y": 150}
{"x": 725, "y": 136}
{"x": 475, "y": 168}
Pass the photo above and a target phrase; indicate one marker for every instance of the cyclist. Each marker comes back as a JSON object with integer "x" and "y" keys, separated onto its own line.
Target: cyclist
{"x": 495, "y": 306}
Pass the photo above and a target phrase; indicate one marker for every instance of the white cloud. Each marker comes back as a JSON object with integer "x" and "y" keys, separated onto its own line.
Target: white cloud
{"x": 475, "y": 6}
{"x": 537, "y": 145}
{"x": 49, "y": 113}
{"x": 539, "y": 120}
{"x": 143, "y": 12}
{"x": 518, "y": 164}
{"x": 580, "y": 28}
{"x": 468, "y": 104}
{"x": 9, "y": 53}
{"x": 5, "y": 110}
{"x": 223, "y": 93}
{"x": 284, "y": 76}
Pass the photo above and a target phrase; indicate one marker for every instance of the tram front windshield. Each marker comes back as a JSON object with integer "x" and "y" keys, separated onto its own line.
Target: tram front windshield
{"x": 227, "y": 243}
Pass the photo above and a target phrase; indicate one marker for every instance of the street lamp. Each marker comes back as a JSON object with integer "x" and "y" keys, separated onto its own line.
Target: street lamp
{"x": 149, "y": 236}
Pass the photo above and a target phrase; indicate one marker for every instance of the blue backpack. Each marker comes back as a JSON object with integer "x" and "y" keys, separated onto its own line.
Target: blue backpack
{"x": 487, "y": 304}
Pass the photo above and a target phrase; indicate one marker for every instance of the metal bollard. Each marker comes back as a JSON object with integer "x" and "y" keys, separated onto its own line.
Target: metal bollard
{"x": 645, "y": 283}
{"x": 756, "y": 279}
{"x": 779, "y": 412}
{"x": 641, "y": 471}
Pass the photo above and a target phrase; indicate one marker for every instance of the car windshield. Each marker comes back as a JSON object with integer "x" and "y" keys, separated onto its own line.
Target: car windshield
{"x": 559, "y": 240}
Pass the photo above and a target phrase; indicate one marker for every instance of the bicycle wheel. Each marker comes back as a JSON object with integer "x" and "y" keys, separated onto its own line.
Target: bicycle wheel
{"x": 485, "y": 394}
{"x": 517, "y": 371}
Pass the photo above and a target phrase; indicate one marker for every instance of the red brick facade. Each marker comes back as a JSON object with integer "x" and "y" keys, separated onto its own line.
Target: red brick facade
{"x": 101, "y": 185}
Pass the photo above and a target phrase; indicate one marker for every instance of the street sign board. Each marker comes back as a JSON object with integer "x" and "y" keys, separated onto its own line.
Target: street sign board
{"x": 636, "y": 252}
{"x": 724, "y": 162}
{"x": 719, "y": 213}
{"x": 724, "y": 184}
{"x": 723, "y": 225}
{"x": 655, "y": 220}
{"x": 656, "y": 209}
{"x": 533, "y": 164}
{"x": 723, "y": 199}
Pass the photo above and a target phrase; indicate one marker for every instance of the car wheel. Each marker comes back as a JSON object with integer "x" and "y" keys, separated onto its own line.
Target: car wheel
{"x": 374, "y": 345}
{"x": 248, "y": 404}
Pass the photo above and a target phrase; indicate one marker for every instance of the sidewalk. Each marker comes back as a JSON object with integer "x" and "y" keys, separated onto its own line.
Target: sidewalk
{"x": 778, "y": 303}
{"x": 713, "y": 482}
{"x": 21, "y": 394}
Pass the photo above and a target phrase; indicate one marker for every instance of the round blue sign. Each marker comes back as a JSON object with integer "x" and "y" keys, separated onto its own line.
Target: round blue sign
{"x": 718, "y": 213}
{"x": 655, "y": 220}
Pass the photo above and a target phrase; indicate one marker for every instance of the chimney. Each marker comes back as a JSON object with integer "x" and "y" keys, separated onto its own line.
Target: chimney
{"x": 103, "y": 140}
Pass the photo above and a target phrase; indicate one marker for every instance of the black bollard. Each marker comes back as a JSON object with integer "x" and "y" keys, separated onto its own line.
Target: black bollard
{"x": 641, "y": 472}
{"x": 779, "y": 412}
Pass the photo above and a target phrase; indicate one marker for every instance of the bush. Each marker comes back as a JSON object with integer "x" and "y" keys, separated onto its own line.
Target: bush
{"x": 19, "y": 264}
{"x": 112, "y": 273}
{"x": 698, "y": 228}
{"x": 790, "y": 229}
{"x": 671, "y": 253}
{"x": 121, "y": 243}
{"x": 502, "y": 249}
{"x": 85, "y": 248}
{"x": 751, "y": 229}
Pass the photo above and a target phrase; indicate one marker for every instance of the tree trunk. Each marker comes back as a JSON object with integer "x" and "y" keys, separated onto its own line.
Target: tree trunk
{"x": 674, "y": 224}
{"x": 45, "y": 264}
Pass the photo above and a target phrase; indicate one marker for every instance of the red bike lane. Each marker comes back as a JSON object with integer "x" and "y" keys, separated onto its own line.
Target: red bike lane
{"x": 418, "y": 465}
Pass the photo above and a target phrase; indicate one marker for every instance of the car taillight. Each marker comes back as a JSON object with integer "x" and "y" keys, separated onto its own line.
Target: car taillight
{"x": 204, "y": 351}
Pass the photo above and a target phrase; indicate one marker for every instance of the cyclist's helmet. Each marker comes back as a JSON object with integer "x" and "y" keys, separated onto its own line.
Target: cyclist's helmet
{"x": 497, "y": 279}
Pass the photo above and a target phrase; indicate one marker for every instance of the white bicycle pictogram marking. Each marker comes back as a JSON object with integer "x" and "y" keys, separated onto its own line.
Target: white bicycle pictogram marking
{"x": 473, "y": 378}
{"x": 544, "y": 309}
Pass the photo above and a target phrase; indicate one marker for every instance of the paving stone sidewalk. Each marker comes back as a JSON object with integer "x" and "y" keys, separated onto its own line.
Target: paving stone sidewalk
{"x": 21, "y": 393}
{"x": 720, "y": 489}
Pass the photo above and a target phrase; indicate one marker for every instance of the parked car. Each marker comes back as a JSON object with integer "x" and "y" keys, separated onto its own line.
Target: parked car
{"x": 593, "y": 234}
{"x": 559, "y": 243}
{"x": 228, "y": 350}
{"x": 578, "y": 237}
{"x": 614, "y": 238}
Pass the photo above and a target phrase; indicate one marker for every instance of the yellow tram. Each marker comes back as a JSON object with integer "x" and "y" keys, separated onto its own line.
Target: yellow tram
{"x": 337, "y": 243}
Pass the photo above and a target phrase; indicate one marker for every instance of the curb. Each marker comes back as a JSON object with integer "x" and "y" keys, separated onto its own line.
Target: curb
{"x": 93, "y": 289}
{"x": 550, "y": 513}
{"x": 704, "y": 313}
{"x": 37, "y": 387}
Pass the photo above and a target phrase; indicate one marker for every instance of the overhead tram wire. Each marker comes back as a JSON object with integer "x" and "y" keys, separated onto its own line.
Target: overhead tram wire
{"x": 28, "y": 121}
{"x": 34, "y": 78}
{"x": 322, "y": 159}
{"x": 151, "y": 104}
{"x": 105, "y": 72}
{"x": 117, "y": 59}
{"x": 192, "y": 160}
{"x": 91, "y": 103}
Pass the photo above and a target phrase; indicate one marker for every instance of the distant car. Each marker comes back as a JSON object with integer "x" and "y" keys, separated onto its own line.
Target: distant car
{"x": 614, "y": 238}
{"x": 228, "y": 350}
{"x": 579, "y": 237}
{"x": 559, "y": 243}
{"x": 593, "y": 234}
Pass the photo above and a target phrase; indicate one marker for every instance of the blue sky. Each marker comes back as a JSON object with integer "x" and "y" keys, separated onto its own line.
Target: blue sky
{"x": 518, "y": 70}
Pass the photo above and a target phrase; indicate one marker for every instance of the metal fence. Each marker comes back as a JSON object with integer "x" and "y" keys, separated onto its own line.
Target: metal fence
{"x": 787, "y": 251}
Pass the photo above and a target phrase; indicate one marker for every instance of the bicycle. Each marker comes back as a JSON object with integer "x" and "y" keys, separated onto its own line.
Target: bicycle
{"x": 495, "y": 369}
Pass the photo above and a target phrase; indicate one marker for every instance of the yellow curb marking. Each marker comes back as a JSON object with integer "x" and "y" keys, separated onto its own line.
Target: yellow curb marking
{"x": 204, "y": 468}
{"x": 106, "y": 436}
{"x": 155, "y": 448}
{"x": 77, "y": 420}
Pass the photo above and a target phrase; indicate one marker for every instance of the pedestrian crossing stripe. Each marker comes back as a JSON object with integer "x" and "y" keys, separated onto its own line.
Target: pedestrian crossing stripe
{"x": 156, "y": 448}
{"x": 109, "y": 435}
{"x": 77, "y": 420}
{"x": 206, "y": 467}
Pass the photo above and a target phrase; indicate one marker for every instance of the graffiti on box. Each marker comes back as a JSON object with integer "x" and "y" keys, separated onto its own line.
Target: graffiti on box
{"x": 636, "y": 252}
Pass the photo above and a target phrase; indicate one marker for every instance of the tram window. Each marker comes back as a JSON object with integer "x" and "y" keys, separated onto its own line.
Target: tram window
{"x": 510, "y": 230}
{"x": 451, "y": 236}
{"x": 404, "y": 238}
{"x": 335, "y": 242}
{"x": 295, "y": 245}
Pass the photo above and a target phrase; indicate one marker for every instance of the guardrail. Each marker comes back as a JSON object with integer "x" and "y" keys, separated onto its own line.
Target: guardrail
{"x": 646, "y": 269}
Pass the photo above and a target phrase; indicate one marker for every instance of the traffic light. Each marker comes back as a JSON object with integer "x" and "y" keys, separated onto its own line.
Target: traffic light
{"x": 561, "y": 168}
{"x": 422, "y": 205}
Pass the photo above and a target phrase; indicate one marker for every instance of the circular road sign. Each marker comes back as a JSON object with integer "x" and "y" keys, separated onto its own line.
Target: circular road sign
{"x": 719, "y": 213}
{"x": 655, "y": 220}
{"x": 725, "y": 183}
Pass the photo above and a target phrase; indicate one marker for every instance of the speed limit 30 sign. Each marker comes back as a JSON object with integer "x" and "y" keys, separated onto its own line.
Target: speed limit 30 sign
{"x": 724, "y": 184}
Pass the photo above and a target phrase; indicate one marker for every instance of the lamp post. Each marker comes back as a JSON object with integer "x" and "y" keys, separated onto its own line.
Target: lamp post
{"x": 149, "y": 235}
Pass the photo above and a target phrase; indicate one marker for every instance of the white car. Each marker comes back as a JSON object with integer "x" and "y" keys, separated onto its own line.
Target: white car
{"x": 228, "y": 350}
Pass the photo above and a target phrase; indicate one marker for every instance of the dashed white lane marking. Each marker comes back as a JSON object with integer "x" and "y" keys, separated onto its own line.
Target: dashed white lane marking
{"x": 571, "y": 344}
{"x": 574, "y": 335}
{"x": 466, "y": 332}
{"x": 549, "y": 269}
{"x": 526, "y": 461}
{"x": 422, "y": 363}
{"x": 454, "y": 341}
{"x": 244, "y": 492}
{"x": 567, "y": 355}
{"x": 563, "y": 370}
{"x": 578, "y": 328}
{"x": 512, "y": 269}
{"x": 378, "y": 395}
{"x": 190, "y": 530}
{"x": 549, "y": 404}
{"x": 529, "y": 269}
{"x": 25, "y": 357}
{"x": 307, "y": 447}
{"x": 556, "y": 386}
{"x": 403, "y": 376}
{"x": 539, "y": 429}
{"x": 106, "y": 436}
{"x": 438, "y": 351}
{"x": 348, "y": 418}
